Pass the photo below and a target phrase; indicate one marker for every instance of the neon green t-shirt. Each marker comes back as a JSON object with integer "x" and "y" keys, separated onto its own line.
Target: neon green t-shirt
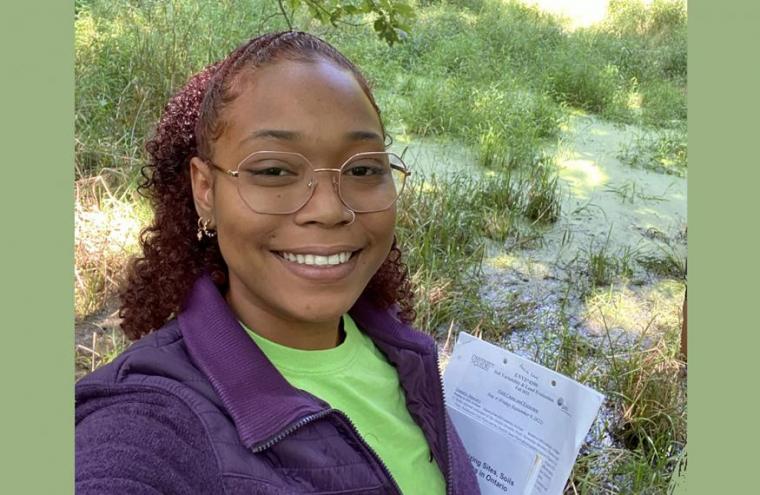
{"x": 356, "y": 378}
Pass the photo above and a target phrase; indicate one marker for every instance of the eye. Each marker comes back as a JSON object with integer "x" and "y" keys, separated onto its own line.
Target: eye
{"x": 366, "y": 168}
{"x": 270, "y": 168}
{"x": 271, "y": 171}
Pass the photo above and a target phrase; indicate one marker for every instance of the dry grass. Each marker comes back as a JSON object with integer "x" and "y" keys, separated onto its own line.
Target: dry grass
{"x": 635, "y": 310}
{"x": 99, "y": 350}
{"x": 107, "y": 226}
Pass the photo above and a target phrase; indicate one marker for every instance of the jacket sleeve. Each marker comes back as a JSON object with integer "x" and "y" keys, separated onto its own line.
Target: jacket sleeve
{"x": 142, "y": 443}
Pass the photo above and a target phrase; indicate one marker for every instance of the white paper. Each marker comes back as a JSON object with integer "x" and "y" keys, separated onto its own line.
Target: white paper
{"x": 526, "y": 422}
{"x": 516, "y": 477}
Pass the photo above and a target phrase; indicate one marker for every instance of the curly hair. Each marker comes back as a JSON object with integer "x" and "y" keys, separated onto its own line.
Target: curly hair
{"x": 158, "y": 282}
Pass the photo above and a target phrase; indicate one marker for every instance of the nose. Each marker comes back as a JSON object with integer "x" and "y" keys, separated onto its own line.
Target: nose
{"x": 324, "y": 206}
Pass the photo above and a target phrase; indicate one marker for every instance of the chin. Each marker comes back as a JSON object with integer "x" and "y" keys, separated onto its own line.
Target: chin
{"x": 318, "y": 309}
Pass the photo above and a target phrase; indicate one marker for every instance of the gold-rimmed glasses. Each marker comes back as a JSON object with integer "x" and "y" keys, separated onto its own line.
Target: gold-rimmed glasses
{"x": 280, "y": 182}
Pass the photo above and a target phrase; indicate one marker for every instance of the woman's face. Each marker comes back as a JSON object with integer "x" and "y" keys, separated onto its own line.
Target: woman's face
{"x": 320, "y": 111}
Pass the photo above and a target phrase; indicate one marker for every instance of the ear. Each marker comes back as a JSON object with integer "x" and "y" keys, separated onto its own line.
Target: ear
{"x": 202, "y": 180}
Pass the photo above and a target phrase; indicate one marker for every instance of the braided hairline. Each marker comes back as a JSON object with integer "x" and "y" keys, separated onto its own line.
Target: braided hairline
{"x": 158, "y": 281}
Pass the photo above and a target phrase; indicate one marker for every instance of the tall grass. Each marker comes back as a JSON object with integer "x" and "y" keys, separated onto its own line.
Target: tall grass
{"x": 106, "y": 227}
{"x": 98, "y": 351}
{"x": 648, "y": 397}
{"x": 129, "y": 58}
{"x": 489, "y": 72}
{"x": 663, "y": 151}
{"x": 443, "y": 226}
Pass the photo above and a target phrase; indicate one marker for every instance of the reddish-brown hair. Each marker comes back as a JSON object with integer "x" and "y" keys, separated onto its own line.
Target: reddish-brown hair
{"x": 158, "y": 282}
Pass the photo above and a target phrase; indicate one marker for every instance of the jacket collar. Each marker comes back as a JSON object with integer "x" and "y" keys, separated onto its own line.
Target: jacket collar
{"x": 259, "y": 399}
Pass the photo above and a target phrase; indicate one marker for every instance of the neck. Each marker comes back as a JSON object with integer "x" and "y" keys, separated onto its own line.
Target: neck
{"x": 289, "y": 332}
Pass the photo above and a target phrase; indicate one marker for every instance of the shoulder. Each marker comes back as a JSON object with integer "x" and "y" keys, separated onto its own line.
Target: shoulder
{"x": 140, "y": 440}
{"x": 160, "y": 360}
{"x": 385, "y": 327}
{"x": 140, "y": 422}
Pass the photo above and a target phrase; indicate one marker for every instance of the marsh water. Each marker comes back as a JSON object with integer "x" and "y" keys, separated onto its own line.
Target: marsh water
{"x": 607, "y": 207}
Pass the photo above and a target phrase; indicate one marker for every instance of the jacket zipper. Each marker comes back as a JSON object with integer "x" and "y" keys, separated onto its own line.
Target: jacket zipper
{"x": 449, "y": 472}
{"x": 313, "y": 417}
{"x": 261, "y": 446}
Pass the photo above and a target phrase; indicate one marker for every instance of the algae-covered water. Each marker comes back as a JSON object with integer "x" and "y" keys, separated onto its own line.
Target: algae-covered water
{"x": 633, "y": 218}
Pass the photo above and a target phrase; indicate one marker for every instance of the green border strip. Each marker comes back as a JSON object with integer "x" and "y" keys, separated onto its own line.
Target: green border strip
{"x": 36, "y": 130}
{"x": 724, "y": 79}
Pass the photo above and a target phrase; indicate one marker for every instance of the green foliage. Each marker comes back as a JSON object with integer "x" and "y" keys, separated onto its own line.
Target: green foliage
{"x": 511, "y": 124}
{"x": 520, "y": 35}
{"x": 444, "y": 79}
{"x": 650, "y": 401}
{"x": 442, "y": 226}
{"x": 636, "y": 18}
{"x": 579, "y": 78}
{"x": 662, "y": 151}
{"x": 663, "y": 104}
{"x": 391, "y": 18}
{"x": 100, "y": 351}
{"x": 130, "y": 59}
{"x": 639, "y": 46}
{"x": 604, "y": 265}
{"x": 541, "y": 190}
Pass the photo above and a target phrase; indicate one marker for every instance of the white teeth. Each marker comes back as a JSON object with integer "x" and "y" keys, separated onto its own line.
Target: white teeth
{"x": 316, "y": 259}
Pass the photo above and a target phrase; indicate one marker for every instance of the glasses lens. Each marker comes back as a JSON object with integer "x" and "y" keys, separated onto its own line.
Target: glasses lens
{"x": 273, "y": 182}
{"x": 372, "y": 181}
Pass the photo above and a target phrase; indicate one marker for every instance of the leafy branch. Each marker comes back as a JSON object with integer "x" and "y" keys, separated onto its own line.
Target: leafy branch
{"x": 391, "y": 19}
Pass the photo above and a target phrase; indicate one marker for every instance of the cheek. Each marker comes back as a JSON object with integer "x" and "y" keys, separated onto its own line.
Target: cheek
{"x": 241, "y": 231}
{"x": 383, "y": 228}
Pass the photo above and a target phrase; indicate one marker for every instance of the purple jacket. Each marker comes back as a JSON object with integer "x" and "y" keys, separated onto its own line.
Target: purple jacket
{"x": 196, "y": 407}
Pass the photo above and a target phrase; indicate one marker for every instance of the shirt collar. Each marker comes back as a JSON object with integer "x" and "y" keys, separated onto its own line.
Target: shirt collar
{"x": 259, "y": 399}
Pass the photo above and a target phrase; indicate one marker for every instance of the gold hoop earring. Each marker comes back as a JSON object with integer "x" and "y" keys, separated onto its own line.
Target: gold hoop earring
{"x": 204, "y": 230}
{"x": 353, "y": 217}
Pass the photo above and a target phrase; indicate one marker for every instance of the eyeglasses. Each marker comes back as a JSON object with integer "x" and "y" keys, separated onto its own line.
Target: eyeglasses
{"x": 280, "y": 183}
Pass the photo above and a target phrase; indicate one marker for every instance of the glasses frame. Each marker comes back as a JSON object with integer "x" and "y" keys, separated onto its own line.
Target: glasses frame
{"x": 313, "y": 181}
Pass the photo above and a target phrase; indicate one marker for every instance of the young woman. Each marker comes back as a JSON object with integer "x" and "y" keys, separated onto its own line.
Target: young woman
{"x": 271, "y": 303}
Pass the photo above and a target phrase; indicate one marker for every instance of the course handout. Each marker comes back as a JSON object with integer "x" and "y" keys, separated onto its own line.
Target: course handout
{"x": 522, "y": 424}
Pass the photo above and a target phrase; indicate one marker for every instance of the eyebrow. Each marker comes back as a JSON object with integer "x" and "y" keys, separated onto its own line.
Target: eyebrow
{"x": 363, "y": 136}
{"x": 297, "y": 136}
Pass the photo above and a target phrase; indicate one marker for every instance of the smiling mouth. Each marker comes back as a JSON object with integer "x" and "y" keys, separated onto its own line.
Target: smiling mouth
{"x": 308, "y": 259}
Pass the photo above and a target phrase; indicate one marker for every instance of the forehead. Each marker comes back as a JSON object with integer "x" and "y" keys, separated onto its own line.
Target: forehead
{"x": 318, "y": 100}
